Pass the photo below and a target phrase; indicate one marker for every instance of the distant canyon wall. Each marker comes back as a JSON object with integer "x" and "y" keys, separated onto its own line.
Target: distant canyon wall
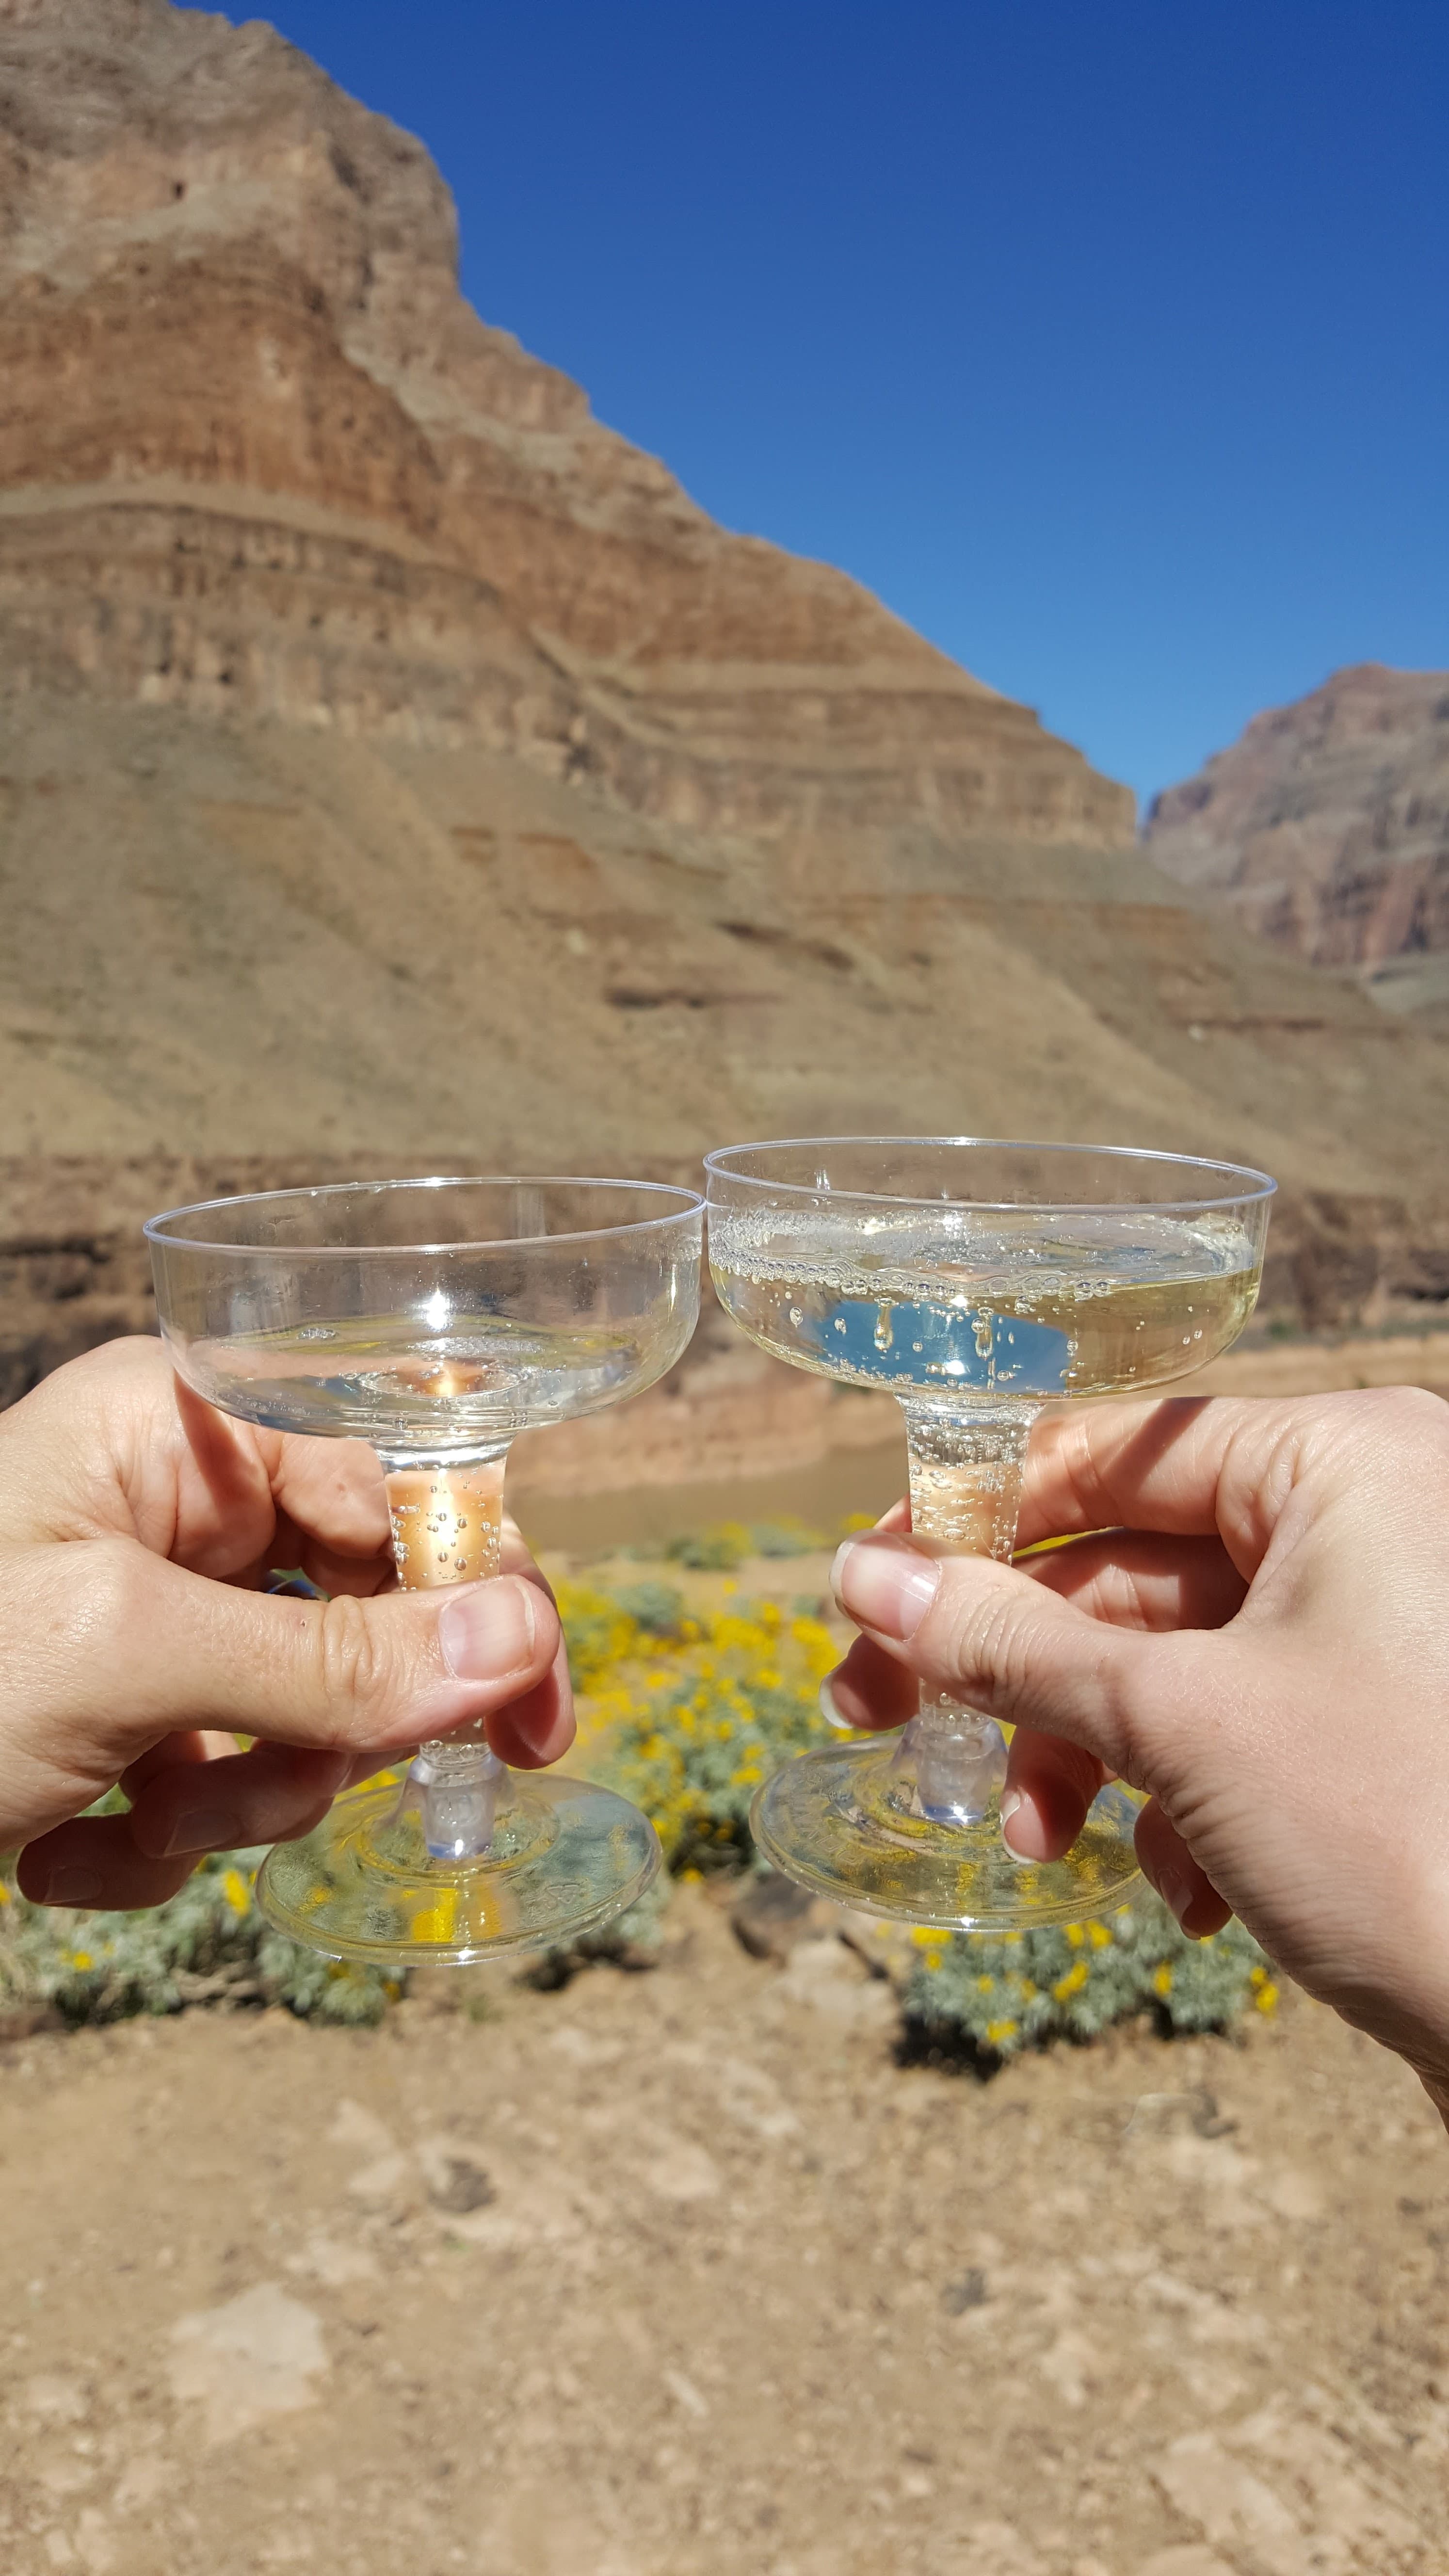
{"x": 1325, "y": 827}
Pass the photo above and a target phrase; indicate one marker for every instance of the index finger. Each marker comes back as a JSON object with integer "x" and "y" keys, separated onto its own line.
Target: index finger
{"x": 1189, "y": 1466}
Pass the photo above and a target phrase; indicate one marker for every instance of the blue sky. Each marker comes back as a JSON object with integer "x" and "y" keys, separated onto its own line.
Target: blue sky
{"x": 1106, "y": 340}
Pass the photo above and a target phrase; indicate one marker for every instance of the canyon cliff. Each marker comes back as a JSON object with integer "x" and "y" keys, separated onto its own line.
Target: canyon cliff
{"x": 397, "y": 769}
{"x": 1325, "y": 829}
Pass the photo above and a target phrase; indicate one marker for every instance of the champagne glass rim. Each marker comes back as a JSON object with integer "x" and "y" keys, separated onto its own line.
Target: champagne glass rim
{"x": 1257, "y": 1186}
{"x": 160, "y": 1229}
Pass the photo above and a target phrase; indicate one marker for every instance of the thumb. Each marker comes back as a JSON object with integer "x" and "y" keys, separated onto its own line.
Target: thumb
{"x": 1001, "y": 1642}
{"x": 128, "y": 1647}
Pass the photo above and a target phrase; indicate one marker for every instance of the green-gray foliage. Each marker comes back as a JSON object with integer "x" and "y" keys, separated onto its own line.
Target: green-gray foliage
{"x": 991, "y": 1995}
{"x": 207, "y": 1945}
{"x": 657, "y": 1608}
{"x": 720, "y": 1549}
{"x": 711, "y": 1551}
{"x": 785, "y": 1538}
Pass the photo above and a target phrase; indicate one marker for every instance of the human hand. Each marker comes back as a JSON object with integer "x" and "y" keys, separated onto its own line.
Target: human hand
{"x": 1257, "y": 1634}
{"x": 137, "y": 1526}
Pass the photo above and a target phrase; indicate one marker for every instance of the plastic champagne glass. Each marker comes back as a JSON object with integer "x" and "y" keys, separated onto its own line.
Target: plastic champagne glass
{"x": 436, "y": 1319}
{"x": 977, "y": 1281}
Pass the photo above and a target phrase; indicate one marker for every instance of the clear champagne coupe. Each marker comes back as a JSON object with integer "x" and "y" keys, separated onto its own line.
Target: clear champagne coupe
{"x": 977, "y": 1281}
{"x": 436, "y": 1319}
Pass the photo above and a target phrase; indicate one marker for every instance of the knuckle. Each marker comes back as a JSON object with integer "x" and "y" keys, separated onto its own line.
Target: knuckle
{"x": 352, "y": 1661}
{"x": 980, "y": 1644}
{"x": 110, "y": 1601}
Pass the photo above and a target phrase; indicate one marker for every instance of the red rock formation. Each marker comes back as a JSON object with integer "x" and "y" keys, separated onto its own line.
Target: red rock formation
{"x": 398, "y": 770}
{"x": 221, "y": 277}
{"x": 1325, "y": 827}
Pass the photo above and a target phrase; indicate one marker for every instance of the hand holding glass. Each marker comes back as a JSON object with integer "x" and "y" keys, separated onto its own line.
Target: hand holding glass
{"x": 977, "y": 1281}
{"x": 436, "y": 1319}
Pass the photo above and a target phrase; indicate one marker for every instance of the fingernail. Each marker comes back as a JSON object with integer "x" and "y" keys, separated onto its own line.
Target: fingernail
{"x": 487, "y": 1632}
{"x": 883, "y": 1585}
{"x": 204, "y": 1829}
{"x": 1175, "y": 1894}
{"x": 1011, "y": 1801}
{"x": 831, "y": 1713}
{"x": 71, "y": 1887}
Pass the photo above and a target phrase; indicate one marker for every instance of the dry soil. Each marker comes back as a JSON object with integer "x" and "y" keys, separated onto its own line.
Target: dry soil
{"x": 681, "y": 2272}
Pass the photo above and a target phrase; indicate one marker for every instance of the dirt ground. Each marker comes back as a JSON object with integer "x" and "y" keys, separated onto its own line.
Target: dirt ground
{"x": 681, "y": 2272}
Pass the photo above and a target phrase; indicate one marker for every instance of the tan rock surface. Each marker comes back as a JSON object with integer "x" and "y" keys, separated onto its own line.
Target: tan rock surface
{"x": 398, "y": 772}
{"x": 394, "y": 762}
{"x": 1325, "y": 827}
{"x": 246, "y": 284}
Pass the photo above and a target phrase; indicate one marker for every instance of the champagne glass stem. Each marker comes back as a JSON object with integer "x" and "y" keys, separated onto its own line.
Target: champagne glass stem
{"x": 447, "y": 1527}
{"x": 965, "y": 1471}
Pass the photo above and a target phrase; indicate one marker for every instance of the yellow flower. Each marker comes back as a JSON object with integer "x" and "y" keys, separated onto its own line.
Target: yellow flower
{"x": 1266, "y": 1998}
{"x": 997, "y": 2031}
{"x": 234, "y": 1889}
{"x": 1162, "y": 1982}
{"x": 436, "y": 1922}
{"x": 1072, "y": 1983}
{"x": 927, "y": 1937}
{"x": 80, "y": 1959}
{"x": 1100, "y": 1935}
{"x": 1074, "y": 1934}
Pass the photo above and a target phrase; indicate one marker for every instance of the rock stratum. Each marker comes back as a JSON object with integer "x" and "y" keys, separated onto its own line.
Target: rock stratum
{"x": 398, "y": 770}
{"x": 1325, "y": 829}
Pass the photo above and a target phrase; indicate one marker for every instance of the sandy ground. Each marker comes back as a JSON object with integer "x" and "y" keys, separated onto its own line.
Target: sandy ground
{"x": 680, "y": 2273}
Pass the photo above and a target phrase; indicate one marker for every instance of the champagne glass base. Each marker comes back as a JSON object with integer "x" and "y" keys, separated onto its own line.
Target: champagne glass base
{"x": 839, "y": 1822}
{"x": 565, "y": 1858}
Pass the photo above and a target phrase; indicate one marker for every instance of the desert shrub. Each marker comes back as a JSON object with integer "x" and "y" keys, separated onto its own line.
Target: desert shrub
{"x": 711, "y": 1551}
{"x": 785, "y": 1538}
{"x": 208, "y": 1945}
{"x": 720, "y": 1549}
{"x": 689, "y": 1721}
{"x": 602, "y": 1634}
{"x": 990, "y": 1995}
{"x": 633, "y": 1940}
{"x": 657, "y": 1608}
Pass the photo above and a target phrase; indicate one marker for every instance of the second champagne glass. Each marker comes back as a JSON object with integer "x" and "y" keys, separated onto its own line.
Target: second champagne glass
{"x": 977, "y": 1281}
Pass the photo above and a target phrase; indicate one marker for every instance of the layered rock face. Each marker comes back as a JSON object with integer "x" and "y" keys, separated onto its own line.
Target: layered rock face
{"x": 398, "y": 771}
{"x": 223, "y": 281}
{"x": 1325, "y": 828}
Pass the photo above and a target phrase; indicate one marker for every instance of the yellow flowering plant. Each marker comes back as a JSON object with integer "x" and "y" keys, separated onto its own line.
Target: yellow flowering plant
{"x": 207, "y": 1945}
{"x": 686, "y": 1712}
{"x": 686, "y": 1709}
{"x": 984, "y": 1996}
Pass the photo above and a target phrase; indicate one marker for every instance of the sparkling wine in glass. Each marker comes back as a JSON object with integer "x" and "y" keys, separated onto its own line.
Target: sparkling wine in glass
{"x": 436, "y": 1319}
{"x": 977, "y": 1281}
